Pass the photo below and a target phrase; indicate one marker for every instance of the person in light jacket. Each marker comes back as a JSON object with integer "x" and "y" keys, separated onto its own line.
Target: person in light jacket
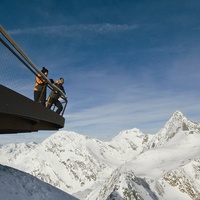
{"x": 40, "y": 87}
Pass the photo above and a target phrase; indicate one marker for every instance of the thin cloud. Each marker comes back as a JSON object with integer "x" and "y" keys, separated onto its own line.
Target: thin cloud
{"x": 149, "y": 112}
{"x": 64, "y": 29}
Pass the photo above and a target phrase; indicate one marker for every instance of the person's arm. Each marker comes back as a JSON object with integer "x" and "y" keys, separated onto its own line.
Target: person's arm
{"x": 62, "y": 88}
{"x": 39, "y": 80}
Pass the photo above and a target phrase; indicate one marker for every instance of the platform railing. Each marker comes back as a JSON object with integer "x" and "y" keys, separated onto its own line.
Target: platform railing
{"x": 13, "y": 47}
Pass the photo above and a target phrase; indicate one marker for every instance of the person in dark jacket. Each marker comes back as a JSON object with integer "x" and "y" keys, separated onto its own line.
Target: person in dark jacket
{"x": 40, "y": 87}
{"x": 55, "y": 95}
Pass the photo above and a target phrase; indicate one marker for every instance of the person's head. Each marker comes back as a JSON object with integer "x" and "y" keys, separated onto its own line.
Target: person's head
{"x": 62, "y": 80}
{"x": 44, "y": 71}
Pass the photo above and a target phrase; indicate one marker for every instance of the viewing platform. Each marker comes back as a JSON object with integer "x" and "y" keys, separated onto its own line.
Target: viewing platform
{"x": 18, "y": 113}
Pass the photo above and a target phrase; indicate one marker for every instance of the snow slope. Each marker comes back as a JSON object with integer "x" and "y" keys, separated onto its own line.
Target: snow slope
{"x": 18, "y": 185}
{"x": 133, "y": 165}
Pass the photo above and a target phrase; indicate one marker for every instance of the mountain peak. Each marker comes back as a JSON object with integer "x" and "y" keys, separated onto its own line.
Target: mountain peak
{"x": 177, "y": 124}
{"x": 180, "y": 122}
{"x": 178, "y": 115}
{"x": 128, "y": 134}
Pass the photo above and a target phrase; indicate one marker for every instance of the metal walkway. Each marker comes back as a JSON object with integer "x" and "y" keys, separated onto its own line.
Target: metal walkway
{"x": 18, "y": 113}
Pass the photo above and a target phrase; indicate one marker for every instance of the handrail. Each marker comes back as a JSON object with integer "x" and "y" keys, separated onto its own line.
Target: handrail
{"x": 28, "y": 60}
{"x": 16, "y": 46}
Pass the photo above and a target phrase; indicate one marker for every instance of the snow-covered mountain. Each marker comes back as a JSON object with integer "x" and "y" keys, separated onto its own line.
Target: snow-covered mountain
{"x": 133, "y": 165}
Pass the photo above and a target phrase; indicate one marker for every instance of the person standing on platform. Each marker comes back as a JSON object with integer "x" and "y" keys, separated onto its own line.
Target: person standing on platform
{"x": 40, "y": 87}
{"x": 55, "y": 95}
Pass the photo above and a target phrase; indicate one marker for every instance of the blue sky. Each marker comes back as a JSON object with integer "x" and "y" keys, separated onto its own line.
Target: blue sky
{"x": 126, "y": 63}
